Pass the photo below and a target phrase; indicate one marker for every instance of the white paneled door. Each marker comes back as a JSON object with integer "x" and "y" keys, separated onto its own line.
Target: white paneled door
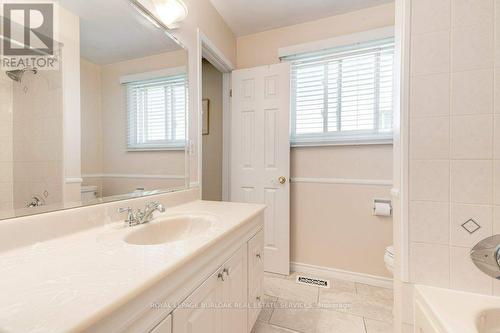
{"x": 260, "y": 154}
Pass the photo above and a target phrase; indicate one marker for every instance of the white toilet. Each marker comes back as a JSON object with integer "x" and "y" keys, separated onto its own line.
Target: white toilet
{"x": 389, "y": 258}
{"x": 88, "y": 193}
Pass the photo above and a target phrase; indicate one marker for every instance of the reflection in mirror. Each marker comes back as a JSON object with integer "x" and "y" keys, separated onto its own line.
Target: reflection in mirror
{"x": 108, "y": 124}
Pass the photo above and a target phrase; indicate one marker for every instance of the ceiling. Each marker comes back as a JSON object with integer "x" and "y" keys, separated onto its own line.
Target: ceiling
{"x": 250, "y": 16}
{"x": 112, "y": 31}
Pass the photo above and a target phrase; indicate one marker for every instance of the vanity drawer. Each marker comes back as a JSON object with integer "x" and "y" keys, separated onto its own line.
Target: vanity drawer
{"x": 165, "y": 326}
{"x": 255, "y": 277}
{"x": 256, "y": 258}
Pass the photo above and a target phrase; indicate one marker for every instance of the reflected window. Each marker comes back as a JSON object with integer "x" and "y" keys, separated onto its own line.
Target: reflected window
{"x": 156, "y": 110}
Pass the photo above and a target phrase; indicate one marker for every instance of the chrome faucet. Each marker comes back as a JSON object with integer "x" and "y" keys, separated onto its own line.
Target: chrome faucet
{"x": 486, "y": 256}
{"x": 141, "y": 216}
{"x": 36, "y": 201}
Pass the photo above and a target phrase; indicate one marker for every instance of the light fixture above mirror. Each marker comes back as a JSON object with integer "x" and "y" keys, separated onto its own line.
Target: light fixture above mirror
{"x": 165, "y": 12}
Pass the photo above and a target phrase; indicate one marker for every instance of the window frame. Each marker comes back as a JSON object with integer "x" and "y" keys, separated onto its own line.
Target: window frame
{"x": 334, "y": 138}
{"x": 141, "y": 81}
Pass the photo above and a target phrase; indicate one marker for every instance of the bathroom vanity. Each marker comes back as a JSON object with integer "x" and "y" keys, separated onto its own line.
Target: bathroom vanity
{"x": 174, "y": 274}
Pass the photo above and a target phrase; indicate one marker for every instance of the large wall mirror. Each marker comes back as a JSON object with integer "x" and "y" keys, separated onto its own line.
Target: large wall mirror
{"x": 108, "y": 124}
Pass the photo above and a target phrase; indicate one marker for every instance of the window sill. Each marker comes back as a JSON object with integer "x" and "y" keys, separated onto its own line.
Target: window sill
{"x": 361, "y": 142}
{"x": 131, "y": 150}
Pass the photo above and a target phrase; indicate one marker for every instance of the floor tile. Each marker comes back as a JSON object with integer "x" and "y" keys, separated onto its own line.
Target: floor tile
{"x": 375, "y": 326}
{"x": 303, "y": 320}
{"x": 287, "y": 288}
{"x": 346, "y": 307}
{"x": 267, "y": 308}
{"x": 314, "y": 320}
{"x": 267, "y": 328}
{"x": 331, "y": 321}
{"x": 377, "y": 292}
{"x": 360, "y": 305}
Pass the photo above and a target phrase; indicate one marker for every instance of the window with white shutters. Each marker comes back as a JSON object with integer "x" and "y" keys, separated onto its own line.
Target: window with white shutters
{"x": 156, "y": 112}
{"x": 343, "y": 95}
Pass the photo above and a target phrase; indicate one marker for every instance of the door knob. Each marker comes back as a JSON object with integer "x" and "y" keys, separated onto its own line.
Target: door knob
{"x": 282, "y": 180}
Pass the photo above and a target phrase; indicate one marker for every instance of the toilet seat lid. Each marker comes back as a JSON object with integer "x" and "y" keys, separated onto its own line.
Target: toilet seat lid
{"x": 390, "y": 250}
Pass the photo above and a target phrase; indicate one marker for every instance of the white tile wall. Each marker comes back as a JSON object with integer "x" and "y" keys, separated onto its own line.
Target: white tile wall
{"x": 454, "y": 139}
{"x": 472, "y": 92}
{"x": 465, "y": 276}
{"x": 460, "y": 213}
{"x": 430, "y": 264}
{"x": 430, "y": 15}
{"x": 497, "y": 181}
{"x": 497, "y": 33}
{"x": 430, "y": 95}
{"x": 430, "y": 222}
{"x": 430, "y": 180}
{"x": 472, "y": 181}
{"x": 430, "y": 138}
{"x": 472, "y": 12}
{"x": 430, "y": 53}
{"x": 472, "y": 48}
{"x": 472, "y": 137}
{"x": 497, "y": 86}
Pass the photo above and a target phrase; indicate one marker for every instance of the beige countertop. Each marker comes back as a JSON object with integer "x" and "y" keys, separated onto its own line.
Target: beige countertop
{"x": 69, "y": 283}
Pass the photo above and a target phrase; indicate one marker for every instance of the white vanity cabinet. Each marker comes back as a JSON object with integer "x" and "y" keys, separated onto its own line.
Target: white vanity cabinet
{"x": 255, "y": 277}
{"x": 219, "y": 305}
{"x": 164, "y": 327}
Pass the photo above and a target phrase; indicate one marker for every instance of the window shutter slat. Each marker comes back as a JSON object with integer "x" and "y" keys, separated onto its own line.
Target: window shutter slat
{"x": 343, "y": 93}
{"x": 156, "y": 111}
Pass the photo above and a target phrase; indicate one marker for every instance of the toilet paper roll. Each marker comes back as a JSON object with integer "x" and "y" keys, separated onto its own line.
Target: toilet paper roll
{"x": 382, "y": 209}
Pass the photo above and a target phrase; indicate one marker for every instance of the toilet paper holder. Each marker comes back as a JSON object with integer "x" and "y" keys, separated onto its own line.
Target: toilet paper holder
{"x": 382, "y": 202}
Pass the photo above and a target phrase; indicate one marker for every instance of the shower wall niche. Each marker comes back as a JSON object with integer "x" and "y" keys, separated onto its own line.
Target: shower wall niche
{"x": 37, "y": 136}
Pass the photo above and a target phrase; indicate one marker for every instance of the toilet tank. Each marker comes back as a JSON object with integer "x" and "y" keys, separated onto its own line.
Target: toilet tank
{"x": 88, "y": 193}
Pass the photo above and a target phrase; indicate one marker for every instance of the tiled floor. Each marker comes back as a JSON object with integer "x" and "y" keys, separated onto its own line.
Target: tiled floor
{"x": 346, "y": 307}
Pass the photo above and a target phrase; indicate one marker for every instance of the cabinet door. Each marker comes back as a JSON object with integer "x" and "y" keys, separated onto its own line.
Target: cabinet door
{"x": 165, "y": 326}
{"x": 255, "y": 277}
{"x": 234, "y": 316}
{"x": 199, "y": 313}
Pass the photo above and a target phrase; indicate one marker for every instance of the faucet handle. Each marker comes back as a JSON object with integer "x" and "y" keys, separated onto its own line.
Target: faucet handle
{"x": 124, "y": 210}
{"x": 161, "y": 208}
{"x": 156, "y": 205}
{"x": 130, "y": 214}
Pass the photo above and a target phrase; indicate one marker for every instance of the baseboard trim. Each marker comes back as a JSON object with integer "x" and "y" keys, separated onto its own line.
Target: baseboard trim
{"x": 326, "y": 272}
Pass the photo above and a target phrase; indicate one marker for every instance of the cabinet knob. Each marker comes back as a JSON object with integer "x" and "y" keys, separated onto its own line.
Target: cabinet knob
{"x": 220, "y": 277}
{"x": 258, "y": 255}
{"x": 258, "y": 298}
{"x": 226, "y": 270}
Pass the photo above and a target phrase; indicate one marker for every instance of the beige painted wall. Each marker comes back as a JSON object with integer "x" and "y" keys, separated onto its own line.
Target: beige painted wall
{"x": 332, "y": 225}
{"x": 262, "y": 48}
{"x": 212, "y": 143}
{"x": 69, "y": 34}
{"x": 202, "y": 18}
{"x": 91, "y": 106}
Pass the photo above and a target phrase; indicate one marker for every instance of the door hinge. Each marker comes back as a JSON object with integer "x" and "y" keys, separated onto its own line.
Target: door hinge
{"x": 230, "y": 92}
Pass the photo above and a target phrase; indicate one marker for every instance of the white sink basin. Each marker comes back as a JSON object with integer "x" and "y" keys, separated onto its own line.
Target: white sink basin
{"x": 171, "y": 229}
{"x": 489, "y": 321}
